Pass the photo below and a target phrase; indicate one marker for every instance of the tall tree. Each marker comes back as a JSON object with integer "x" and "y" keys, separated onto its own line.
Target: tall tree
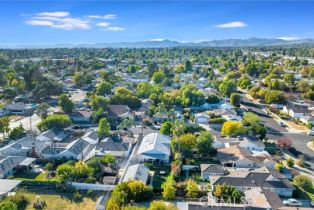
{"x": 66, "y": 104}
{"x": 4, "y": 125}
{"x": 103, "y": 128}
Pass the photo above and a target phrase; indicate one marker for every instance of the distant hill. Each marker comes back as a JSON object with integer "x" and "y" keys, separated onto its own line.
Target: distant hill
{"x": 252, "y": 42}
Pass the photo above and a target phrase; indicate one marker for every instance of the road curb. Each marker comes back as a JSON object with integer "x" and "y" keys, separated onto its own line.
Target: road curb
{"x": 309, "y": 145}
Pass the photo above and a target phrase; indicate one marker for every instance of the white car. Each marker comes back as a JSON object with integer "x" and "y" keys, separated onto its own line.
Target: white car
{"x": 311, "y": 133}
{"x": 292, "y": 202}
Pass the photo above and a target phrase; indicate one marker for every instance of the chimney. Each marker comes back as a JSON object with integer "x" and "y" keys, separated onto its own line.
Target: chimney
{"x": 33, "y": 150}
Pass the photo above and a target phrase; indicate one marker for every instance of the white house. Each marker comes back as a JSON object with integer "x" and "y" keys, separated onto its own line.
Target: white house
{"x": 136, "y": 172}
{"x": 154, "y": 147}
{"x": 252, "y": 145}
{"x": 296, "y": 111}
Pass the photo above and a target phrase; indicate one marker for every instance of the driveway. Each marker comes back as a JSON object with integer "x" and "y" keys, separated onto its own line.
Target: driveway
{"x": 28, "y": 123}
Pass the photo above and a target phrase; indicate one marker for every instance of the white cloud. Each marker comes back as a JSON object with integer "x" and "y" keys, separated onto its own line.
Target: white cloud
{"x": 72, "y": 23}
{"x": 289, "y": 38}
{"x": 39, "y": 22}
{"x": 106, "y": 17}
{"x": 64, "y": 20}
{"x": 54, "y": 14}
{"x": 235, "y": 24}
{"x": 103, "y": 24}
{"x": 157, "y": 40}
{"x": 115, "y": 28}
{"x": 67, "y": 23}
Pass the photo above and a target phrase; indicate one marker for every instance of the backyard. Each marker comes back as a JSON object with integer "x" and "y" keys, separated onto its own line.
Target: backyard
{"x": 26, "y": 198}
{"x": 30, "y": 175}
{"x": 59, "y": 201}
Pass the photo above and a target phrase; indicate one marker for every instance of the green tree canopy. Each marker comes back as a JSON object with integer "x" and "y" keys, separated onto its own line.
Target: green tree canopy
{"x": 104, "y": 88}
{"x": 66, "y": 104}
{"x": 103, "y": 128}
{"x": 204, "y": 142}
{"x": 54, "y": 121}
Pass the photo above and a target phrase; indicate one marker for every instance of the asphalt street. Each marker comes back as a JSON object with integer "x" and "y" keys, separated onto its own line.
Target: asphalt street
{"x": 275, "y": 131}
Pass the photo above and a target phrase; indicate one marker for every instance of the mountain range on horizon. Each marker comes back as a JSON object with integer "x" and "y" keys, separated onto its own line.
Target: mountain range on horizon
{"x": 251, "y": 42}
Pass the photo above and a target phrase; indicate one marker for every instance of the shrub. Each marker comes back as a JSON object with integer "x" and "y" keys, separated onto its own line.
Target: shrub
{"x": 77, "y": 196}
{"x": 302, "y": 181}
{"x": 290, "y": 162}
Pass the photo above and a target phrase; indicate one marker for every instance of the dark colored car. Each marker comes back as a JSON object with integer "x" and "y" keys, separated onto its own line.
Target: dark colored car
{"x": 295, "y": 152}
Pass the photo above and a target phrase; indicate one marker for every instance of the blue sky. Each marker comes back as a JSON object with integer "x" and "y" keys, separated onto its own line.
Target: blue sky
{"x": 59, "y": 22}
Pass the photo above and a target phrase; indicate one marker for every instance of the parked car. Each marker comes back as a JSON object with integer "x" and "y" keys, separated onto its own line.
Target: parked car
{"x": 295, "y": 152}
{"x": 292, "y": 202}
{"x": 311, "y": 133}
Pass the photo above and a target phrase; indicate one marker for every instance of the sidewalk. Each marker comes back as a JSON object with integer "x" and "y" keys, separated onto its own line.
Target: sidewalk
{"x": 310, "y": 145}
{"x": 302, "y": 170}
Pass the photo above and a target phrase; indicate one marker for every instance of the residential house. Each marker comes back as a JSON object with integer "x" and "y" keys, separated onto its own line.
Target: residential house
{"x": 136, "y": 172}
{"x": 202, "y": 118}
{"x": 20, "y": 108}
{"x": 81, "y": 116}
{"x": 53, "y": 135}
{"x": 239, "y": 157}
{"x": 262, "y": 198}
{"x": 161, "y": 116}
{"x": 8, "y": 165}
{"x": 296, "y": 111}
{"x": 252, "y": 145}
{"x": 154, "y": 147}
{"x": 264, "y": 178}
{"x": 76, "y": 150}
{"x": 117, "y": 149}
{"x": 91, "y": 137}
{"x": 26, "y": 146}
{"x": 7, "y": 185}
{"x": 208, "y": 170}
{"x": 120, "y": 112}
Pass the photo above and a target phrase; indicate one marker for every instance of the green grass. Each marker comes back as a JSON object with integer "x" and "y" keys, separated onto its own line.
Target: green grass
{"x": 28, "y": 175}
{"x": 55, "y": 200}
{"x": 157, "y": 181}
{"x": 198, "y": 161}
{"x": 157, "y": 178}
{"x": 304, "y": 194}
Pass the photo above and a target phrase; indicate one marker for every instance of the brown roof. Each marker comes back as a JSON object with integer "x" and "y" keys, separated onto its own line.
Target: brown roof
{"x": 235, "y": 153}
